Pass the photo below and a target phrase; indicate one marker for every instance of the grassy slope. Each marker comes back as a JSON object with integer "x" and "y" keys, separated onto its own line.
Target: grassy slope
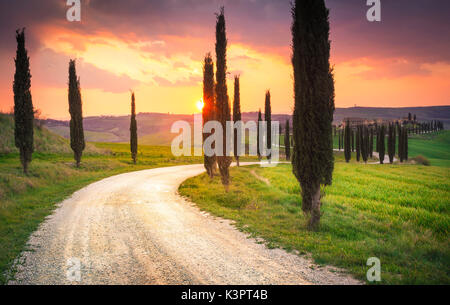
{"x": 398, "y": 213}
{"x": 435, "y": 147}
{"x": 45, "y": 141}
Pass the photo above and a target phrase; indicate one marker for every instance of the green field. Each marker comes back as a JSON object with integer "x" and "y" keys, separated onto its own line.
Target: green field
{"x": 434, "y": 146}
{"x": 398, "y": 213}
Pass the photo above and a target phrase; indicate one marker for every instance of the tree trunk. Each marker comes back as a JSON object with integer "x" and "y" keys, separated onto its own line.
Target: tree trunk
{"x": 315, "y": 210}
{"x": 25, "y": 167}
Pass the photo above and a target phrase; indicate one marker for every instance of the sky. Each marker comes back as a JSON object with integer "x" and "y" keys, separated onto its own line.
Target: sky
{"x": 156, "y": 48}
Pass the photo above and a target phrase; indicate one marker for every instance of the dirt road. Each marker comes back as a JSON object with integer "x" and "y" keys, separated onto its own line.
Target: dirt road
{"x": 134, "y": 229}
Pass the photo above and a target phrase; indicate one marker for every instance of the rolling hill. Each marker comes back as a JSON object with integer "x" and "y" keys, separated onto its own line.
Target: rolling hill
{"x": 154, "y": 128}
{"x": 45, "y": 141}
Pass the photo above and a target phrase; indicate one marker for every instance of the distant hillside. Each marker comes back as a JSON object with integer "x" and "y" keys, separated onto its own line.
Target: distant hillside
{"x": 154, "y": 128}
{"x": 441, "y": 113}
{"x": 45, "y": 141}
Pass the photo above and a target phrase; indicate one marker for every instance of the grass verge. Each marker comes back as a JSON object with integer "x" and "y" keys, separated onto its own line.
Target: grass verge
{"x": 398, "y": 213}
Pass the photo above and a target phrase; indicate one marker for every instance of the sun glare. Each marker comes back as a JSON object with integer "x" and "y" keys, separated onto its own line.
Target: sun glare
{"x": 200, "y": 105}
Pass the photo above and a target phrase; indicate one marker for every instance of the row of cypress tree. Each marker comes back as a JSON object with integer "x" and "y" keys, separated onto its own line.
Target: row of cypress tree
{"x": 216, "y": 102}
{"x": 426, "y": 127}
{"x": 364, "y": 139}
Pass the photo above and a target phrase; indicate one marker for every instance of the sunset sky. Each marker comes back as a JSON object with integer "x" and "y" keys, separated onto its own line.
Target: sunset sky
{"x": 156, "y": 49}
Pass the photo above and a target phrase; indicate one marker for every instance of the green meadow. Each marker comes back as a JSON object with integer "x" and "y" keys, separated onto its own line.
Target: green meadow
{"x": 398, "y": 213}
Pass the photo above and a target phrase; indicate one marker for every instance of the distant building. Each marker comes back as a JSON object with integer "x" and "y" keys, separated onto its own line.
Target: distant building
{"x": 354, "y": 122}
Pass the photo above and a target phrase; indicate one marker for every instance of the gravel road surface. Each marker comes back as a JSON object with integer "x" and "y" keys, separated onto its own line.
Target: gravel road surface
{"x": 133, "y": 228}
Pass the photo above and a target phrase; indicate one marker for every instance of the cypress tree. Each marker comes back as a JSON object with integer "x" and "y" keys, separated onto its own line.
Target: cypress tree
{"x": 389, "y": 143}
{"x": 268, "y": 118}
{"x": 339, "y": 140}
{"x": 381, "y": 143}
{"x": 280, "y": 132}
{"x": 400, "y": 144}
{"x": 258, "y": 140}
{"x": 365, "y": 143}
{"x": 76, "y": 116}
{"x": 208, "y": 111}
{"x": 236, "y": 116}
{"x": 352, "y": 134}
{"x": 133, "y": 130}
{"x": 222, "y": 102}
{"x": 23, "y": 104}
{"x": 377, "y": 131}
{"x": 314, "y": 103}
{"x": 394, "y": 139}
{"x": 371, "y": 143}
{"x": 347, "y": 151}
{"x": 287, "y": 141}
{"x": 405, "y": 146}
{"x": 358, "y": 143}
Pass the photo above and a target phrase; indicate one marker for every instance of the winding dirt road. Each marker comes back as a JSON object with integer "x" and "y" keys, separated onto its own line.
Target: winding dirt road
{"x": 134, "y": 229}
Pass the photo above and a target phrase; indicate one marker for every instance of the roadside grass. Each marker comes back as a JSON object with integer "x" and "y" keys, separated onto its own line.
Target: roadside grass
{"x": 25, "y": 200}
{"x": 398, "y": 213}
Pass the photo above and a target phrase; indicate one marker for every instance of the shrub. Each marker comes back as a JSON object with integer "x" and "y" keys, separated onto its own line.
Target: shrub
{"x": 421, "y": 160}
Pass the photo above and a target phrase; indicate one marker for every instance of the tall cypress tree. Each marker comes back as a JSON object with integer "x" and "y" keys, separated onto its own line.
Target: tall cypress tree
{"x": 339, "y": 140}
{"x": 391, "y": 143}
{"x": 258, "y": 140}
{"x": 381, "y": 143}
{"x": 364, "y": 143}
{"x": 313, "y": 160}
{"x": 400, "y": 144}
{"x": 222, "y": 102}
{"x": 287, "y": 141}
{"x": 133, "y": 130}
{"x": 405, "y": 146}
{"x": 23, "y": 104}
{"x": 358, "y": 143}
{"x": 347, "y": 149}
{"x": 236, "y": 116}
{"x": 208, "y": 111}
{"x": 268, "y": 119}
{"x": 371, "y": 143}
{"x": 76, "y": 116}
{"x": 280, "y": 132}
{"x": 352, "y": 134}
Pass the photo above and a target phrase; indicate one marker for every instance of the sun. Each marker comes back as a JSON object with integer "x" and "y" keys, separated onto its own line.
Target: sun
{"x": 200, "y": 105}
